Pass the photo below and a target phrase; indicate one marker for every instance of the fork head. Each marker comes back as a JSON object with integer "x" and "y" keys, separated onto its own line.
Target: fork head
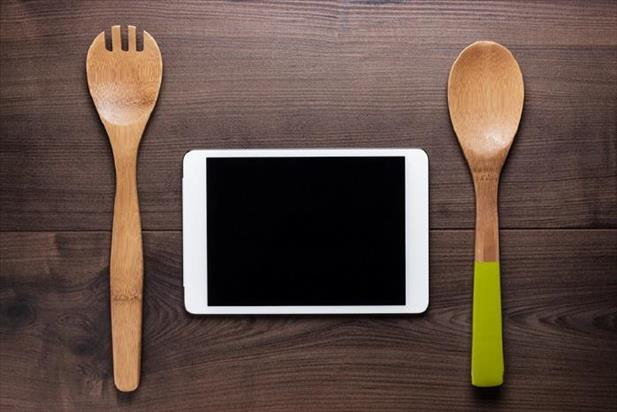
{"x": 124, "y": 85}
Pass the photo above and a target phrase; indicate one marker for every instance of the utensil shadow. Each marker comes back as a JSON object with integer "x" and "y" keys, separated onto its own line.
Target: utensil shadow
{"x": 484, "y": 397}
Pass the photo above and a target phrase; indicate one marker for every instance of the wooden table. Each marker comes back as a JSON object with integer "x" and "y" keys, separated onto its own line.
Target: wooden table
{"x": 309, "y": 74}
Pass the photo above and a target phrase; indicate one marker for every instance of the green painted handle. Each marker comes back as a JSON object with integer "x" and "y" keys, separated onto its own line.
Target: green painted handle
{"x": 486, "y": 344}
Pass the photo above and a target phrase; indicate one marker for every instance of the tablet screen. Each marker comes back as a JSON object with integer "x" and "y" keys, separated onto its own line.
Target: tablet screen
{"x": 303, "y": 231}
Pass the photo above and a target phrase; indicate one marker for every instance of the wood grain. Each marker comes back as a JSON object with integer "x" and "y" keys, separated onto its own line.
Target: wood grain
{"x": 309, "y": 74}
{"x": 559, "y": 294}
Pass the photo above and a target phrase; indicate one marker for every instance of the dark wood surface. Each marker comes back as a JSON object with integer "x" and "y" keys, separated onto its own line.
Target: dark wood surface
{"x": 309, "y": 74}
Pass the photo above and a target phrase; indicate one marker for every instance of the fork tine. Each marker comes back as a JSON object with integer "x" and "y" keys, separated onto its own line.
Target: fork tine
{"x": 149, "y": 42}
{"x": 132, "y": 39}
{"x": 116, "y": 42}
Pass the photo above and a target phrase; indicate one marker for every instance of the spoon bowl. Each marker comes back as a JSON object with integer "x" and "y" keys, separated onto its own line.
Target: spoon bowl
{"x": 485, "y": 99}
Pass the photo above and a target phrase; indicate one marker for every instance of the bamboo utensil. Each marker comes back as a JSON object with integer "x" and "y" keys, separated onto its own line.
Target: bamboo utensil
{"x": 485, "y": 98}
{"x": 124, "y": 86}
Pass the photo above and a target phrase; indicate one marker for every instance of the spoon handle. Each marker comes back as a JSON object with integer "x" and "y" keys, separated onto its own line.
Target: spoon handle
{"x": 126, "y": 263}
{"x": 486, "y": 347}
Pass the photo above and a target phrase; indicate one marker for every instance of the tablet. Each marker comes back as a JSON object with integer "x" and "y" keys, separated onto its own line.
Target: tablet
{"x": 304, "y": 231}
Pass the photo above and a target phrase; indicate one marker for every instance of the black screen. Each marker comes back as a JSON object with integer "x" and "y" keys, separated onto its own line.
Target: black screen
{"x": 306, "y": 231}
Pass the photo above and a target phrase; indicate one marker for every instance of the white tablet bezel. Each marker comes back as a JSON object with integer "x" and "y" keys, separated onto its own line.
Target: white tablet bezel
{"x": 195, "y": 241}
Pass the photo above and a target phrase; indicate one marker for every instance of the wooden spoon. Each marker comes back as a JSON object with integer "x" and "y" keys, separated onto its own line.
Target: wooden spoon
{"x": 124, "y": 86}
{"x": 485, "y": 98}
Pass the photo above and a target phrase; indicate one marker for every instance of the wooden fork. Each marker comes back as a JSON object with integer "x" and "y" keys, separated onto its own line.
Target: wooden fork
{"x": 124, "y": 86}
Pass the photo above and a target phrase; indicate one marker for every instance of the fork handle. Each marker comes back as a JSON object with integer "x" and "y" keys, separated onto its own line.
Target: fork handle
{"x": 126, "y": 274}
